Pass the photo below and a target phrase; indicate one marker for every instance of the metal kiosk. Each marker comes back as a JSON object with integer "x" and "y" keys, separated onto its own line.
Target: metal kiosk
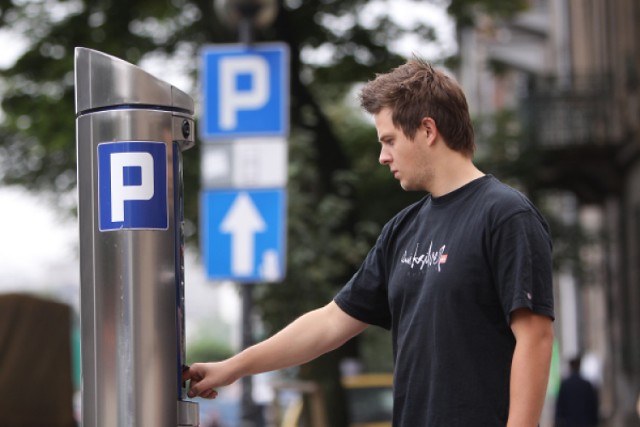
{"x": 131, "y": 131}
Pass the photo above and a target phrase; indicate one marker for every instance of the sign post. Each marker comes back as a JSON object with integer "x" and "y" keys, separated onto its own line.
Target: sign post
{"x": 244, "y": 125}
{"x": 244, "y": 168}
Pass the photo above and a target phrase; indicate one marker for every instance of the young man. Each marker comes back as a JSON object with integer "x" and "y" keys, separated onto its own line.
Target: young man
{"x": 462, "y": 278}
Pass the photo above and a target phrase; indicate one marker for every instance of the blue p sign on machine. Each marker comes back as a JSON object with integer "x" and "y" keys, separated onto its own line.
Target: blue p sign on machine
{"x": 245, "y": 91}
{"x": 132, "y": 186}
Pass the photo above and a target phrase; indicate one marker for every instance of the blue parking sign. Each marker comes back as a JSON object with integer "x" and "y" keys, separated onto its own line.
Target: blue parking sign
{"x": 245, "y": 91}
{"x": 244, "y": 234}
{"x": 132, "y": 186}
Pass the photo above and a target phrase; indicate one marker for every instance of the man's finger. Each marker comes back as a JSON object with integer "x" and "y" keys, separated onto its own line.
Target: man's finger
{"x": 206, "y": 393}
{"x": 186, "y": 373}
{"x": 209, "y": 394}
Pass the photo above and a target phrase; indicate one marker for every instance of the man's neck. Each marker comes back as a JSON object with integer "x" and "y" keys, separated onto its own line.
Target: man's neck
{"x": 456, "y": 171}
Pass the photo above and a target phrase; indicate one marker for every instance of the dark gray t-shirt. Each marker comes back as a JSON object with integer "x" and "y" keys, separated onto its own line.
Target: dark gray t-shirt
{"x": 445, "y": 275}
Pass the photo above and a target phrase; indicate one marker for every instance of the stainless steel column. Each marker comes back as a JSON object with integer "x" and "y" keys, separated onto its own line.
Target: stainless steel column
{"x": 131, "y": 130}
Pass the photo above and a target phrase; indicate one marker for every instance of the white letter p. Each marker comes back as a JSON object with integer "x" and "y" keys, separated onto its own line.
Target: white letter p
{"x": 121, "y": 192}
{"x": 231, "y": 99}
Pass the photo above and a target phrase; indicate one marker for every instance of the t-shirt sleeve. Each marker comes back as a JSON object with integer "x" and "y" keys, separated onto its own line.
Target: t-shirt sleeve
{"x": 364, "y": 297}
{"x": 521, "y": 261}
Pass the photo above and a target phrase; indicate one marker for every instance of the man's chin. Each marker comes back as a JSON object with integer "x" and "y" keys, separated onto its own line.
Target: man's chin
{"x": 408, "y": 187}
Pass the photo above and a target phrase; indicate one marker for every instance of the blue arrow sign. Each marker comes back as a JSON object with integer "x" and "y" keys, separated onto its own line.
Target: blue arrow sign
{"x": 245, "y": 90}
{"x": 244, "y": 234}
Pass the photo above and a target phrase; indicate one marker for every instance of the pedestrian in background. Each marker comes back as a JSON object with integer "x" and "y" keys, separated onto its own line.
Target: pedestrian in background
{"x": 577, "y": 404}
{"x": 462, "y": 278}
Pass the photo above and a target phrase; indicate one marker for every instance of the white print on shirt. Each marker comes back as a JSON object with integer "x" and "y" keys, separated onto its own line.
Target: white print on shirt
{"x": 430, "y": 258}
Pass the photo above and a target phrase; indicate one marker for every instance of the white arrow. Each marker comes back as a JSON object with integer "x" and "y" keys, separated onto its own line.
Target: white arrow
{"x": 242, "y": 221}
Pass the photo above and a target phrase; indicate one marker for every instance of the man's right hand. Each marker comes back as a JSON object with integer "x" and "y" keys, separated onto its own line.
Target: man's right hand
{"x": 205, "y": 377}
{"x": 306, "y": 338}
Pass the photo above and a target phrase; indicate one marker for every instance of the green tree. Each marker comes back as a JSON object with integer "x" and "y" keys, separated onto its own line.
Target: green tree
{"x": 207, "y": 349}
{"x": 338, "y": 196}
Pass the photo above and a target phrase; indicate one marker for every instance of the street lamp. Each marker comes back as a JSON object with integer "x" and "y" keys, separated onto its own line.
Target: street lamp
{"x": 246, "y": 15}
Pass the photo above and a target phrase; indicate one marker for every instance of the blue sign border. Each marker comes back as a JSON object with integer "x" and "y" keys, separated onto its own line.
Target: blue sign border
{"x": 139, "y": 214}
{"x": 216, "y": 246}
{"x": 209, "y": 77}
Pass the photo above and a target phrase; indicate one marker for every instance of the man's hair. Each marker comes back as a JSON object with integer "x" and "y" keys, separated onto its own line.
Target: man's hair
{"x": 416, "y": 90}
{"x": 575, "y": 363}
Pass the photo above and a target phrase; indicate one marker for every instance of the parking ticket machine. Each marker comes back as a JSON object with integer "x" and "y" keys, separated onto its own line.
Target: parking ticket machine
{"x": 131, "y": 129}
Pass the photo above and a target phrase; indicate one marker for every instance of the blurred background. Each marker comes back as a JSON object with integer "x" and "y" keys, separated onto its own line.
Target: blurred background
{"x": 554, "y": 90}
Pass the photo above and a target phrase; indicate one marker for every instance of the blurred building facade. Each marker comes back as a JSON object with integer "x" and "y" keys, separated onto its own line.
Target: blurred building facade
{"x": 571, "y": 69}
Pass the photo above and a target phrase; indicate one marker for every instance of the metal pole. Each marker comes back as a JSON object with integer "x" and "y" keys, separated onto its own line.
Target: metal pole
{"x": 245, "y": 31}
{"x": 249, "y": 410}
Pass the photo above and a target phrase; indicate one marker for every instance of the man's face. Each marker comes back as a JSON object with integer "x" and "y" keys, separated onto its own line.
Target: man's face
{"x": 405, "y": 157}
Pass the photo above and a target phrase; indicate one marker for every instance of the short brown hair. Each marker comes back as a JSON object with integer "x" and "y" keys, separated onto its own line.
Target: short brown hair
{"x": 416, "y": 90}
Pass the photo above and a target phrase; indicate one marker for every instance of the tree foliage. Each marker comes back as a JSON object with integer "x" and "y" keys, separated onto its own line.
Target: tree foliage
{"x": 206, "y": 348}
{"x": 466, "y": 11}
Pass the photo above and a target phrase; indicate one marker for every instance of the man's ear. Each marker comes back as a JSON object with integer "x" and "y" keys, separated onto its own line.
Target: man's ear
{"x": 428, "y": 126}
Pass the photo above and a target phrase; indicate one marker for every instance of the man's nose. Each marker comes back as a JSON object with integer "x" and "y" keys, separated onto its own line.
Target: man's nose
{"x": 384, "y": 158}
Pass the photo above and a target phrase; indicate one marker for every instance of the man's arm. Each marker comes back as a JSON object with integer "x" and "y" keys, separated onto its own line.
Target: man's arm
{"x": 308, "y": 337}
{"x": 530, "y": 367}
